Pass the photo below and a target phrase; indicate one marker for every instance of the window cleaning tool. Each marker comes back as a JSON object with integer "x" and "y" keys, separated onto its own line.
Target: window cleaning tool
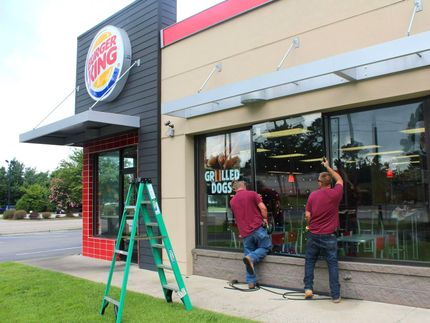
{"x": 158, "y": 242}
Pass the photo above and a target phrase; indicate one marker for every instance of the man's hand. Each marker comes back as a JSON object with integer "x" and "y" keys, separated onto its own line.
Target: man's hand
{"x": 333, "y": 174}
{"x": 325, "y": 163}
{"x": 265, "y": 223}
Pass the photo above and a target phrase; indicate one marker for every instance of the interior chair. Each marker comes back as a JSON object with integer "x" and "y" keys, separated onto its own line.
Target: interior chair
{"x": 234, "y": 236}
{"x": 291, "y": 242}
{"x": 278, "y": 241}
{"x": 380, "y": 246}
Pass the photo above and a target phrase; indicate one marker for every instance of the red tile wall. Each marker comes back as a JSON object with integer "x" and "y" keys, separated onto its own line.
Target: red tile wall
{"x": 96, "y": 247}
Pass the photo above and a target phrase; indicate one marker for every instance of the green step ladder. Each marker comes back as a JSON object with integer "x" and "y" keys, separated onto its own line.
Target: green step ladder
{"x": 158, "y": 242}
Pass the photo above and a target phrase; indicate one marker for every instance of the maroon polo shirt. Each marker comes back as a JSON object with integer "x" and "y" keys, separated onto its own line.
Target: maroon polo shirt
{"x": 246, "y": 211}
{"x": 323, "y": 205}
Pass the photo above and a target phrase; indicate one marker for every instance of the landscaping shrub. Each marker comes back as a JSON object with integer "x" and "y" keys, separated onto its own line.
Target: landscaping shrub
{"x": 19, "y": 214}
{"x": 34, "y": 215}
{"x": 8, "y": 214}
{"x": 46, "y": 215}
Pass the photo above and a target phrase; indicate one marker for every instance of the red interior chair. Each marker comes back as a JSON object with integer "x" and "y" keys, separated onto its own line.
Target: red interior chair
{"x": 278, "y": 238}
{"x": 380, "y": 244}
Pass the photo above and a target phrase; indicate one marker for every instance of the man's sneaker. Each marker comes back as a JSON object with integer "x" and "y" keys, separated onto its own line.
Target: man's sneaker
{"x": 337, "y": 300}
{"x": 249, "y": 265}
{"x": 308, "y": 293}
{"x": 251, "y": 285}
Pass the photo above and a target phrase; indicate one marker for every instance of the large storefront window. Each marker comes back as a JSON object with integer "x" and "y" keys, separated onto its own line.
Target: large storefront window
{"x": 114, "y": 171}
{"x": 382, "y": 157}
{"x": 381, "y": 154}
{"x": 288, "y": 155}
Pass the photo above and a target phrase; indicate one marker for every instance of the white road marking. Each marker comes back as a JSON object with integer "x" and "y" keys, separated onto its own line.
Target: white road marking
{"x": 50, "y": 250}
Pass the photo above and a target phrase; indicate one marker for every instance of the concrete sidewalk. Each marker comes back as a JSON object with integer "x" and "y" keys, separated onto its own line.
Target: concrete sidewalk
{"x": 9, "y": 227}
{"x": 211, "y": 294}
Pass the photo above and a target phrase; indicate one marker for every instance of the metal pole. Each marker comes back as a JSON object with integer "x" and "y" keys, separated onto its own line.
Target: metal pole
{"x": 217, "y": 68}
{"x": 294, "y": 44}
{"x": 418, "y": 6}
{"x": 8, "y": 185}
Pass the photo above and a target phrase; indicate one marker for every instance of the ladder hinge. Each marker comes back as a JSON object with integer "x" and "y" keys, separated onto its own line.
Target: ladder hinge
{"x": 111, "y": 300}
{"x": 161, "y": 266}
{"x": 171, "y": 287}
{"x": 158, "y": 245}
{"x": 152, "y": 224}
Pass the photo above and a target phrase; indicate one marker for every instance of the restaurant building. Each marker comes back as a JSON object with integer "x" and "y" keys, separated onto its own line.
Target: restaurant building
{"x": 262, "y": 89}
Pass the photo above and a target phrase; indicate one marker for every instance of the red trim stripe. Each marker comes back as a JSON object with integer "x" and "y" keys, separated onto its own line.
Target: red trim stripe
{"x": 207, "y": 18}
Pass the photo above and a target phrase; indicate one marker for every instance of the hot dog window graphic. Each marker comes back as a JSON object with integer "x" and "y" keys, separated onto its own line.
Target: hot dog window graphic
{"x": 222, "y": 166}
{"x": 109, "y": 56}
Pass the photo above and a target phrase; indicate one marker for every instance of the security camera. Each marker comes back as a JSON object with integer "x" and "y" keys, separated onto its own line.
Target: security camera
{"x": 168, "y": 124}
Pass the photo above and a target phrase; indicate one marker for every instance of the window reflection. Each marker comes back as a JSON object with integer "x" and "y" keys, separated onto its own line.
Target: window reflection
{"x": 382, "y": 157}
{"x": 108, "y": 193}
{"x": 114, "y": 170}
{"x": 288, "y": 154}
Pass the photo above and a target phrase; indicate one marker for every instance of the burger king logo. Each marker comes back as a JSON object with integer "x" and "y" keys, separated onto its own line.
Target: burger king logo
{"x": 108, "y": 57}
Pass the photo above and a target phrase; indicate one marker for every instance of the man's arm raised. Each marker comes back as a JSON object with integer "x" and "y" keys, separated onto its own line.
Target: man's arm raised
{"x": 332, "y": 173}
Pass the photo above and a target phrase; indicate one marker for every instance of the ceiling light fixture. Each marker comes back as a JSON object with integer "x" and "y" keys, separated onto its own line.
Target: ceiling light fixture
{"x": 389, "y": 152}
{"x": 279, "y": 172}
{"x": 406, "y": 156}
{"x": 359, "y": 148}
{"x": 414, "y": 130}
{"x": 312, "y": 160}
{"x": 285, "y": 133}
{"x": 411, "y": 162}
{"x": 287, "y": 156}
{"x": 262, "y": 150}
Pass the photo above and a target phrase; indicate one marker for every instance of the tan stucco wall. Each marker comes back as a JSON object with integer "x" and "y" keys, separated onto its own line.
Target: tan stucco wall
{"x": 253, "y": 44}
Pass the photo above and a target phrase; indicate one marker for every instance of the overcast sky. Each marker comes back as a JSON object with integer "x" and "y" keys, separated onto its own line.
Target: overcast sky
{"x": 38, "y": 63}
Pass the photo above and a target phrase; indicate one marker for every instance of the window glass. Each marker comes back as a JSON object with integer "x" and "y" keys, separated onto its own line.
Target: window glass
{"x": 382, "y": 157}
{"x": 108, "y": 193}
{"x": 114, "y": 170}
{"x": 129, "y": 157}
{"x": 288, "y": 154}
{"x": 223, "y": 158}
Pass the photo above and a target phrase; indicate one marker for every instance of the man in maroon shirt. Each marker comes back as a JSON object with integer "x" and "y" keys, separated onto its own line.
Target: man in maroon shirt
{"x": 251, "y": 217}
{"x": 322, "y": 217}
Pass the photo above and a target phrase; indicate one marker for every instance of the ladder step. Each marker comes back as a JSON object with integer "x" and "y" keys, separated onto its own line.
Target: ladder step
{"x": 152, "y": 224}
{"x": 145, "y": 202}
{"x": 143, "y": 237}
{"x": 171, "y": 287}
{"x": 164, "y": 267}
{"x": 158, "y": 245}
{"x": 122, "y": 252}
{"x": 111, "y": 300}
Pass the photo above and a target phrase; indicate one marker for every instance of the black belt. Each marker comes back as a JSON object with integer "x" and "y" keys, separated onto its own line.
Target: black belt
{"x": 323, "y": 235}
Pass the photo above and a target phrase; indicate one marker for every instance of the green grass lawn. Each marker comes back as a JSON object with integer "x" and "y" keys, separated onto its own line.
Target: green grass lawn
{"x": 29, "y": 294}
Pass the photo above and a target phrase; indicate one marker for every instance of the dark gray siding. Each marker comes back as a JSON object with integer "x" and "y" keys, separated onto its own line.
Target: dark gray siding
{"x": 142, "y": 20}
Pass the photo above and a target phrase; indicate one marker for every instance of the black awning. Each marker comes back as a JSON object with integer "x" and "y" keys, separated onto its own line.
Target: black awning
{"x": 81, "y": 128}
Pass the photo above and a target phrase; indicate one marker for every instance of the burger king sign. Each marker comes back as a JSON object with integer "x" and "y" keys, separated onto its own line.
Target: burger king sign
{"x": 108, "y": 57}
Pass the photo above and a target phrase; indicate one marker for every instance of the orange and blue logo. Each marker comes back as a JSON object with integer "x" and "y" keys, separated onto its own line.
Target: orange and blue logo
{"x": 108, "y": 57}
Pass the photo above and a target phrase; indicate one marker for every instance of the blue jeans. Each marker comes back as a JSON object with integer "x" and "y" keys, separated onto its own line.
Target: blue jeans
{"x": 326, "y": 244}
{"x": 256, "y": 246}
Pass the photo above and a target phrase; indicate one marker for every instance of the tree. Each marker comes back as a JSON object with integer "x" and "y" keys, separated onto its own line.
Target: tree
{"x": 35, "y": 198}
{"x": 66, "y": 183}
{"x": 31, "y": 176}
{"x": 11, "y": 179}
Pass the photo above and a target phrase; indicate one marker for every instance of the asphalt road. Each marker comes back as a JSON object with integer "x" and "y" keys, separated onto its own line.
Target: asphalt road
{"x": 40, "y": 245}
